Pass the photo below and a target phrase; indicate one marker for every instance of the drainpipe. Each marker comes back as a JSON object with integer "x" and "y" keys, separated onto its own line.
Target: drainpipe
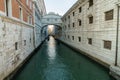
{"x": 117, "y": 35}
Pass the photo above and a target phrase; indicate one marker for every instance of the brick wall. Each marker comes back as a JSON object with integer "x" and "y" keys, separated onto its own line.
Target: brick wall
{"x": 2, "y": 6}
{"x": 15, "y": 9}
{"x": 16, "y": 5}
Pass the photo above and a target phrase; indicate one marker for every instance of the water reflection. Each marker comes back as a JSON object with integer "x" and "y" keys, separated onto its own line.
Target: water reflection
{"x": 58, "y": 62}
{"x": 51, "y": 48}
{"x": 55, "y": 69}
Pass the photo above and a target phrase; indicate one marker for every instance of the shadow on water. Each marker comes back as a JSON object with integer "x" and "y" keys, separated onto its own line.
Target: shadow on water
{"x": 55, "y": 61}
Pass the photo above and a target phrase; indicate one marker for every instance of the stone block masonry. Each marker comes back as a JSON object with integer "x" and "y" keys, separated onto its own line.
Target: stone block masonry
{"x": 91, "y": 26}
{"x": 16, "y": 43}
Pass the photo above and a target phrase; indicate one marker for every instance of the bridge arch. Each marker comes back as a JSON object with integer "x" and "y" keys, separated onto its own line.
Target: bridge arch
{"x": 51, "y": 19}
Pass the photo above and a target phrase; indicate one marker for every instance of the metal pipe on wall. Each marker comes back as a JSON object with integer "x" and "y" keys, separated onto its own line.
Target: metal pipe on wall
{"x": 117, "y": 35}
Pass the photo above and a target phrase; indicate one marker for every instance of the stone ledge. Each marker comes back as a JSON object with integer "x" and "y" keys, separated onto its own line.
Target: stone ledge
{"x": 115, "y": 72}
{"x": 14, "y": 21}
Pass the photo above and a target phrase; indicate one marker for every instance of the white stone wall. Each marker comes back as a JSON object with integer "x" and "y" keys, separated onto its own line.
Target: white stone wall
{"x": 99, "y": 31}
{"x": 51, "y": 19}
{"x": 12, "y": 31}
{"x": 39, "y": 11}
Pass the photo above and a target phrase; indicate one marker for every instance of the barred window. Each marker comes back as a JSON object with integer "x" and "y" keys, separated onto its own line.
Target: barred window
{"x": 107, "y": 45}
{"x": 73, "y": 13}
{"x": 73, "y": 24}
{"x": 24, "y": 42}
{"x": 16, "y": 45}
{"x": 90, "y": 19}
{"x": 79, "y": 39}
{"x": 80, "y": 9}
{"x": 90, "y": 41}
{"x": 109, "y": 15}
{"x": 68, "y": 36}
{"x": 65, "y": 19}
{"x": 90, "y": 3}
{"x": 73, "y": 37}
{"x": 80, "y": 23}
{"x": 68, "y": 17}
{"x": 68, "y": 25}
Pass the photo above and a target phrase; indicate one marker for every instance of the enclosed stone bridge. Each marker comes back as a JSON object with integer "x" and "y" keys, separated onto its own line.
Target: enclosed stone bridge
{"x": 51, "y": 19}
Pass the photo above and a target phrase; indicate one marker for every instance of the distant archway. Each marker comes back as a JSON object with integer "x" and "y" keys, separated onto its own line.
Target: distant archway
{"x": 51, "y": 19}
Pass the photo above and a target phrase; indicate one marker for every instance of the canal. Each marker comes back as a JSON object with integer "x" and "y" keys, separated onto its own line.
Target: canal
{"x": 58, "y": 62}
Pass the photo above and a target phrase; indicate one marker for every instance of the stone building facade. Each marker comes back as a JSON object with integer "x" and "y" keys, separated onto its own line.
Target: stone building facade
{"x": 17, "y": 39}
{"x": 39, "y": 12}
{"x": 92, "y": 26}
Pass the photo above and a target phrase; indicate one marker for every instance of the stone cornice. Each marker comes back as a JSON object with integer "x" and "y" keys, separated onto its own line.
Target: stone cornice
{"x": 14, "y": 21}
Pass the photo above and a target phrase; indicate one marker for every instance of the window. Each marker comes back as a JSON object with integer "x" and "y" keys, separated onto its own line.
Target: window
{"x": 72, "y": 37}
{"x": 80, "y": 9}
{"x": 68, "y": 36}
{"x": 24, "y": 42}
{"x": 90, "y": 19}
{"x": 79, "y": 39}
{"x": 29, "y": 19}
{"x": 20, "y": 14}
{"x": 30, "y": 5}
{"x": 90, "y": 41}
{"x": 73, "y": 24}
{"x": 30, "y": 40}
{"x": 68, "y": 25}
{"x": 80, "y": 23}
{"x": 65, "y": 19}
{"x": 109, "y": 15}
{"x": 90, "y": 3}
{"x": 73, "y": 13}
{"x": 8, "y": 8}
{"x": 16, "y": 46}
{"x": 107, "y": 45}
{"x": 27, "y": 2}
{"x": 68, "y": 17}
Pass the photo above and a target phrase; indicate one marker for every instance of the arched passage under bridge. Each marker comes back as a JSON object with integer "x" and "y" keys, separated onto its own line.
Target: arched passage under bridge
{"x": 51, "y": 19}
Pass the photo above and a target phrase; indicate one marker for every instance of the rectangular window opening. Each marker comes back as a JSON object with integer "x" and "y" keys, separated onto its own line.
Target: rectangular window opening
{"x": 80, "y": 9}
{"x": 79, "y": 39}
{"x": 24, "y": 42}
{"x": 90, "y": 3}
{"x": 107, "y": 45}
{"x": 72, "y": 37}
{"x": 90, "y": 19}
{"x": 16, "y": 45}
{"x": 90, "y": 41}
{"x": 109, "y": 15}
{"x": 80, "y": 23}
{"x": 73, "y": 24}
{"x": 73, "y": 13}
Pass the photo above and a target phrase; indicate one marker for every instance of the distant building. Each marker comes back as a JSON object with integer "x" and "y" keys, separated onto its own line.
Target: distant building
{"x": 92, "y": 26}
{"x": 39, "y": 12}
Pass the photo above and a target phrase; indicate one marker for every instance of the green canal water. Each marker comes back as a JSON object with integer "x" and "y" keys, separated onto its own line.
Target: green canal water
{"x": 58, "y": 62}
